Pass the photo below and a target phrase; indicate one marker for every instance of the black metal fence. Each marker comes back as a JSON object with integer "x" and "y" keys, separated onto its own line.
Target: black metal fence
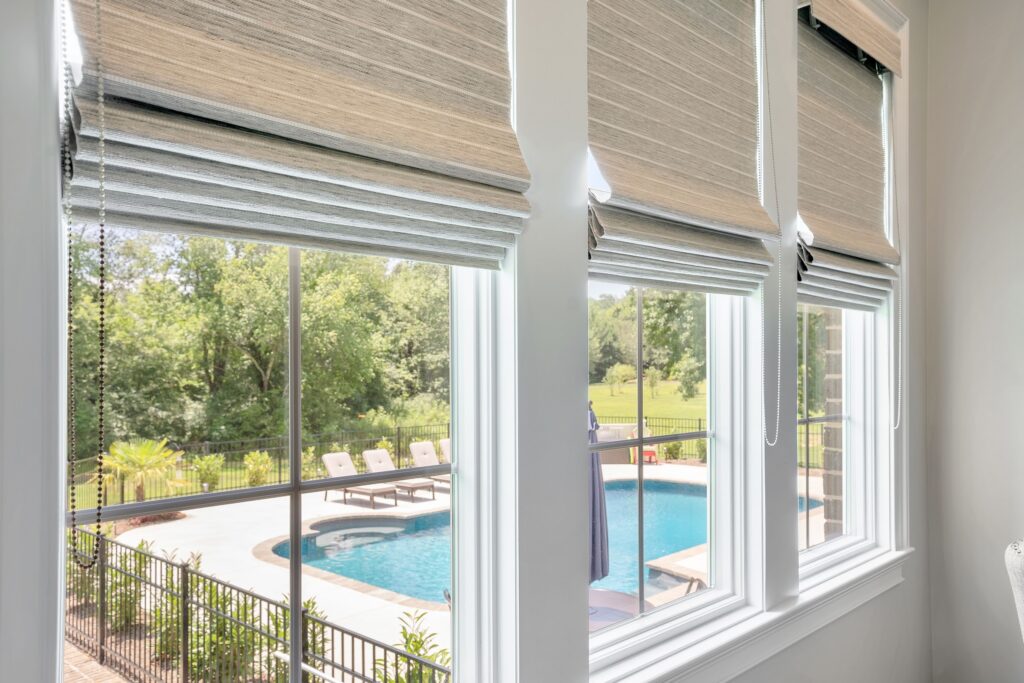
{"x": 155, "y": 620}
{"x": 689, "y": 449}
{"x": 196, "y": 472}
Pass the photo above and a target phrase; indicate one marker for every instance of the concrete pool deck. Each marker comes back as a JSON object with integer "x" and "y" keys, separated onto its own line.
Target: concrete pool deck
{"x": 235, "y": 543}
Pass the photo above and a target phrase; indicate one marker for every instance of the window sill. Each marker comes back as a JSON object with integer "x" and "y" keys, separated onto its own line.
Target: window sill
{"x": 726, "y": 647}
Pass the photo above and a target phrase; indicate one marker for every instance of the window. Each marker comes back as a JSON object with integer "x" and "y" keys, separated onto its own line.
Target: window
{"x": 649, "y": 433}
{"x": 217, "y": 350}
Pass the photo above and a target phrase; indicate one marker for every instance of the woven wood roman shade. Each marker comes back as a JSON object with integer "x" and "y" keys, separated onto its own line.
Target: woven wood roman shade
{"x": 855, "y": 23}
{"x": 841, "y": 175}
{"x": 366, "y": 126}
{"x": 673, "y": 92}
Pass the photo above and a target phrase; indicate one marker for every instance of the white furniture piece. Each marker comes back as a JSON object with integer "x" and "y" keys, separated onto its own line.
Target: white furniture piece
{"x": 424, "y": 455}
{"x": 1015, "y": 568}
{"x": 446, "y": 450}
{"x": 340, "y": 465}
{"x": 379, "y": 460}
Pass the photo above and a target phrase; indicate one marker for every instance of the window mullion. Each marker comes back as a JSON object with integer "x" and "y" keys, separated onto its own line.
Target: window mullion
{"x": 295, "y": 464}
{"x": 640, "y": 444}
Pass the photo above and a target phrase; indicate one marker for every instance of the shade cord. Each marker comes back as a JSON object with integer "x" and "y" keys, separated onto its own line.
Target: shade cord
{"x": 85, "y": 560}
{"x": 778, "y": 217}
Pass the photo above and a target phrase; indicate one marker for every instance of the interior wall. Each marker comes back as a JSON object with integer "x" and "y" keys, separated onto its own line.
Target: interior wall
{"x": 888, "y": 639}
{"x": 976, "y": 333}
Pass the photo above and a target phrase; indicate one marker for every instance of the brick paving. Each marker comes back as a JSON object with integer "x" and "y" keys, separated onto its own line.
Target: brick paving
{"x": 80, "y": 667}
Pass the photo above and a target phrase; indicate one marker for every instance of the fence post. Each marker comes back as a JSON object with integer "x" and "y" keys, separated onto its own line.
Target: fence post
{"x": 398, "y": 446}
{"x": 305, "y": 643}
{"x": 183, "y": 619}
{"x": 102, "y": 568}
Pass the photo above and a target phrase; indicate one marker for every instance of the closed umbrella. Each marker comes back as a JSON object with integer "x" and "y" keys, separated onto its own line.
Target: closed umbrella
{"x": 598, "y": 508}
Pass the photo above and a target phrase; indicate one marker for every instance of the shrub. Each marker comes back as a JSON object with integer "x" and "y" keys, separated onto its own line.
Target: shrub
{"x": 124, "y": 588}
{"x": 166, "y": 621}
{"x": 672, "y": 451}
{"x": 316, "y": 636}
{"x": 312, "y": 466}
{"x": 258, "y": 466}
{"x": 702, "y": 450}
{"x": 209, "y": 467}
{"x": 417, "y": 640}
{"x": 221, "y": 646}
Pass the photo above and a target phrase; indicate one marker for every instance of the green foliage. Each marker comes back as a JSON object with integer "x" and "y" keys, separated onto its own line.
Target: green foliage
{"x": 618, "y": 374}
{"x": 221, "y": 646}
{"x": 417, "y": 640}
{"x": 124, "y": 589}
{"x": 386, "y": 444}
{"x": 258, "y": 466}
{"x": 166, "y": 618}
{"x": 142, "y": 462}
{"x": 652, "y": 379}
{"x": 197, "y": 339}
{"x": 312, "y": 465}
{"x": 316, "y": 635}
{"x": 208, "y": 468}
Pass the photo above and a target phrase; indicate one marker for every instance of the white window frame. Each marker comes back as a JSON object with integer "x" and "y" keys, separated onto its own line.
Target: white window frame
{"x": 727, "y": 439}
{"x": 789, "y": 594}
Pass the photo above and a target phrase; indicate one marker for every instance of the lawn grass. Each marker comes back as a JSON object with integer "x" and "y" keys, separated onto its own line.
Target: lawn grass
{"x": 665, "y": 401}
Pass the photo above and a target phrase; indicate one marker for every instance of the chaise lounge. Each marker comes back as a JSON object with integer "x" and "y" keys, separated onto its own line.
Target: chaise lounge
{"x": 379, "y": 460}
{"x": 340, "y": 465}
{"x": 424, "y": 455}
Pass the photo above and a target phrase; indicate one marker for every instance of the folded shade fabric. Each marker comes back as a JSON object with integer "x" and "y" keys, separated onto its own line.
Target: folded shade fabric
{"x": 645, "y": 251}
{"x": 856, "y": 23}
{"x": 673, "y": 97}
{"x": 842, "y": 156}
{"x": 413, "y": 82}
{"x": 175, "y": 172}
{"x": 829, "y": 279}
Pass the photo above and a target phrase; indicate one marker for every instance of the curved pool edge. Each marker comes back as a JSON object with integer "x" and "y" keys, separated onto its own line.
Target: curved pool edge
{"x": 264, "y": 551}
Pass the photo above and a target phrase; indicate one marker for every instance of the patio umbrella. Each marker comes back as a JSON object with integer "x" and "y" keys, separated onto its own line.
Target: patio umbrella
{"x": 598, "y": 508}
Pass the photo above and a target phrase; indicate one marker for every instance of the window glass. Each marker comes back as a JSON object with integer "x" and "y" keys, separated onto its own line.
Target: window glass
{"x": 198, "y": 394}
{"x": 820, "y": 423}
{"x": 656, "y": 414}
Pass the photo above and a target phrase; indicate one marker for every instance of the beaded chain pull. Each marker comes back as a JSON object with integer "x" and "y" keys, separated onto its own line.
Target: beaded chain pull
{"x": 85, "y": 560}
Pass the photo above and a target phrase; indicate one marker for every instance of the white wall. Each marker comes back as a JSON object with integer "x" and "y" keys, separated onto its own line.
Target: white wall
{"x": 888, "y": 639}
{"x": 30, "y": 336}
{"x": 975, "y": 363}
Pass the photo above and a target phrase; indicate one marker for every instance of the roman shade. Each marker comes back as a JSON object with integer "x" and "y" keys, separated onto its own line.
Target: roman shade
{"x": 673, "y": 97}
{"x": 365, "y": 126}
{"x": 841, "y": 181}
{"x": 855, "y": 23}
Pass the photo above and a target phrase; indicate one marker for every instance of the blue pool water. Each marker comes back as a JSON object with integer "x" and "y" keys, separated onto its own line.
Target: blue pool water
{"x": 413, "y": 557}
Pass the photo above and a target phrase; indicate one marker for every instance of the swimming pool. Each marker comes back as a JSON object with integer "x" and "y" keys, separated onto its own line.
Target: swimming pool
{"x": 413, "y": 556}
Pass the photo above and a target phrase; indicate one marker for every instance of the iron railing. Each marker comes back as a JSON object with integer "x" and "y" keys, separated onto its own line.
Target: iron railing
{"x": 234, "y": 475}
{"x": 693, "y": 448}
{"x": 157, "y": 620}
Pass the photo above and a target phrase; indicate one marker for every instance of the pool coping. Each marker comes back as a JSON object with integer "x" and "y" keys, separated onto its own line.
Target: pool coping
{"x": 264, "y": 551}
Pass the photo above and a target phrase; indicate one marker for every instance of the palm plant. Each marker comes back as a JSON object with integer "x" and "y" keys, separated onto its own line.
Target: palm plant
{"x": 142, "y": 463}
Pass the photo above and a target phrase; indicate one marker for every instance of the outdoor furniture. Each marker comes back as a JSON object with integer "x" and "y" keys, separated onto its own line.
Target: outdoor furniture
{"x": 446, "y": 450}
{"x": 340, "y": 465}
{"x": 424, "y": 455}
{"x": 379, "y": 460}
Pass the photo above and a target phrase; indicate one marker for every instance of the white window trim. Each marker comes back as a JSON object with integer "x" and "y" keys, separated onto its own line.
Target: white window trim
{"x": 727, "y": 439}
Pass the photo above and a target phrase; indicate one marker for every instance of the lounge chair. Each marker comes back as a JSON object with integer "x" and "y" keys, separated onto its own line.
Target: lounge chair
{"x": 424, "y": 455}
{"x": 446, "y": 450}
{"x": 379, "y": 460}
{"x": 340, "y": 465}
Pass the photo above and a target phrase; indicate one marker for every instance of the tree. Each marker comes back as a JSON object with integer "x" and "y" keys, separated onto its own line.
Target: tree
{"x": 142, "y": 462}
{"x": 619, "y": 374}
{"x": 675, "y": 337}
